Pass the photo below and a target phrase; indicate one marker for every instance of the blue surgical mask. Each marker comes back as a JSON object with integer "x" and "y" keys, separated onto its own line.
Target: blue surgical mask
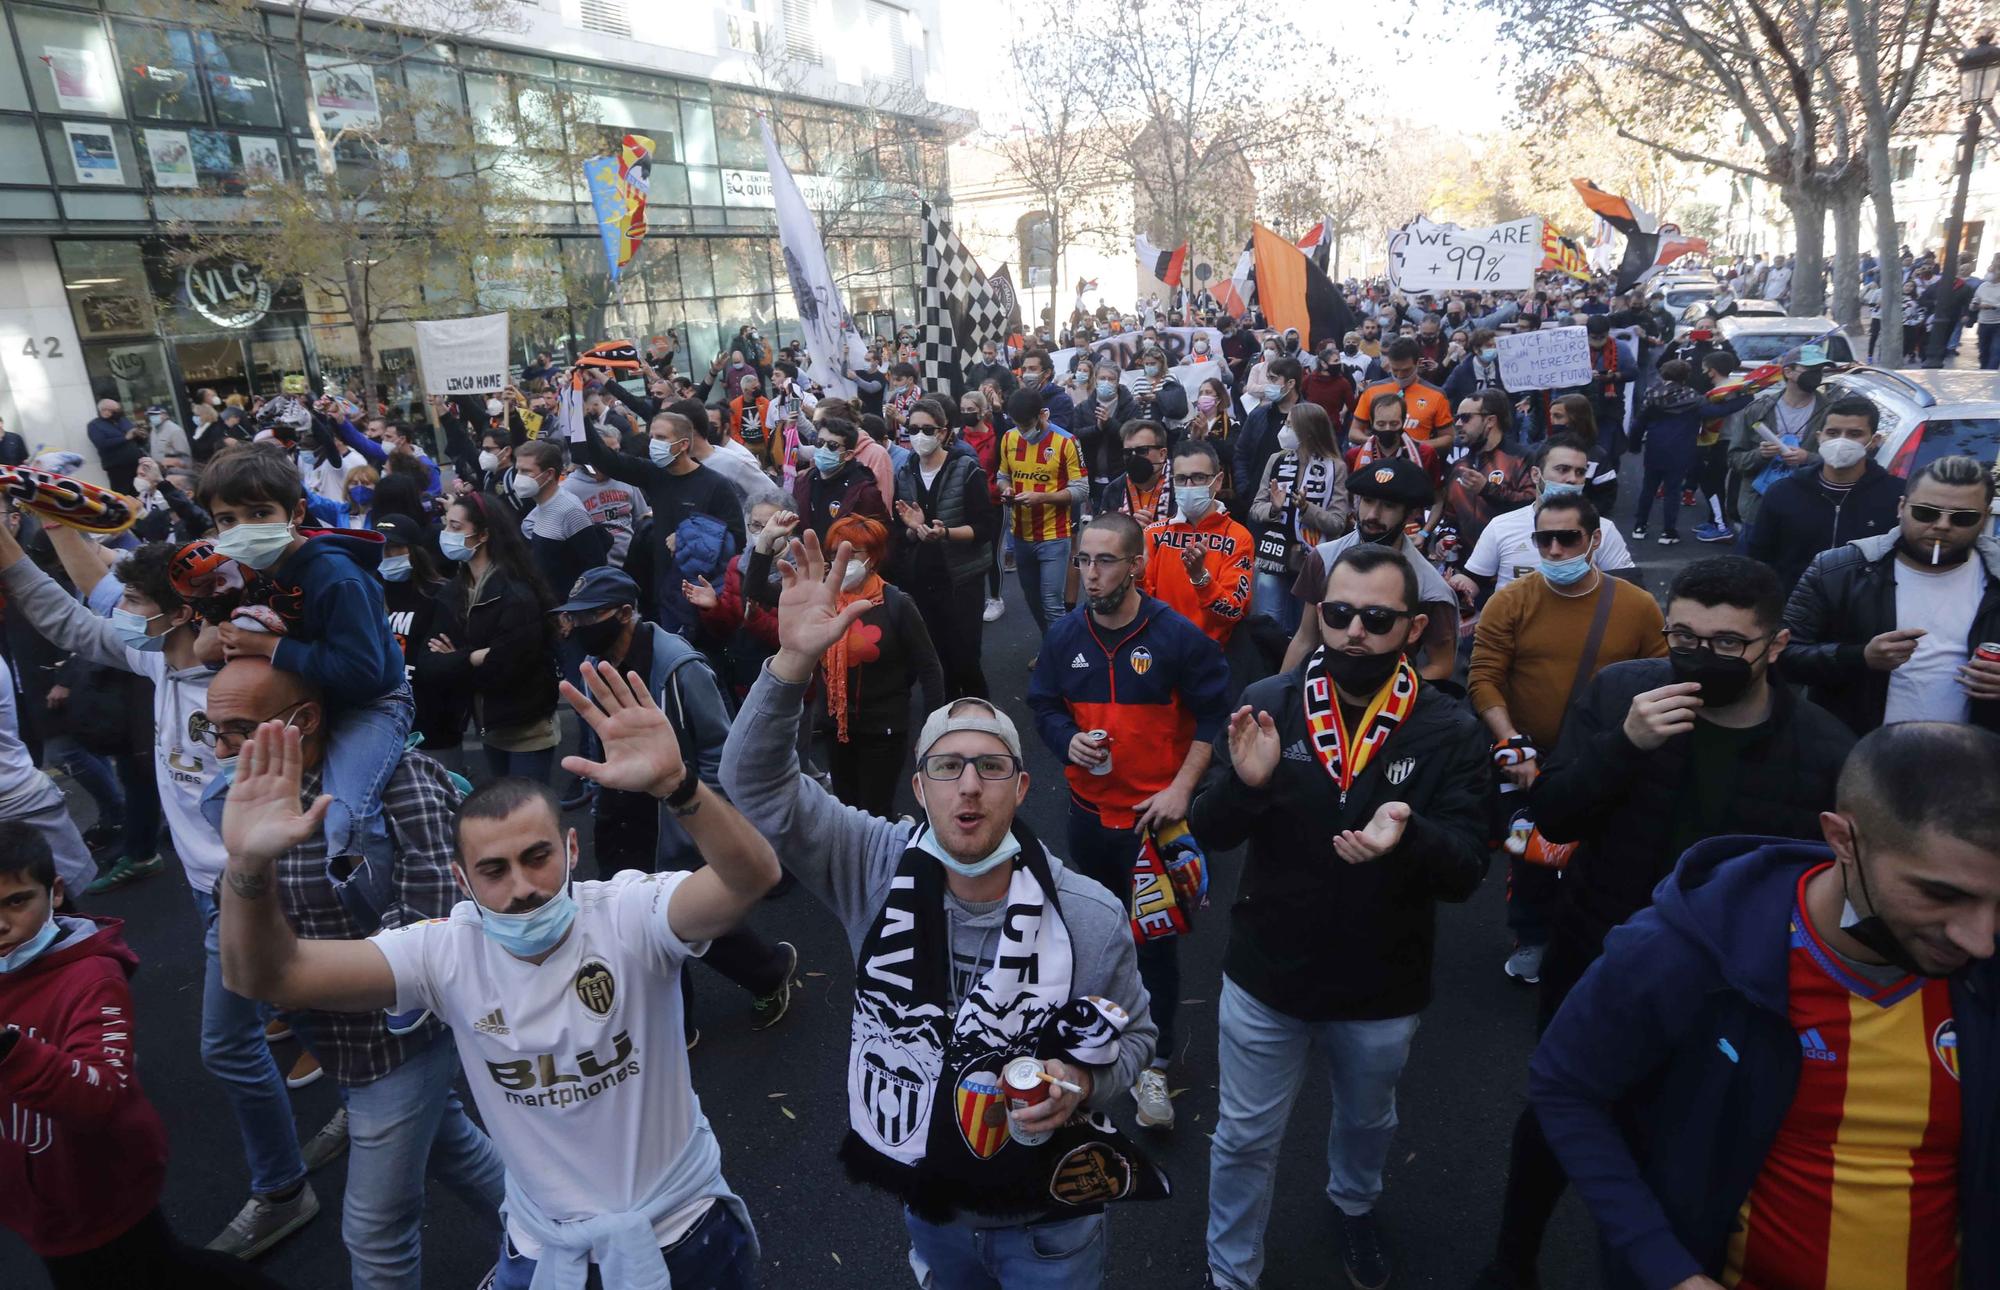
{"x": 1273, "y": 392}
{"x": 536, "y": 932}
{"x": 1193, "y": 502}
{"x": 455, "y": 547}
{"x": 257, "y": 545}
{"x": 1564, "y": 573}
{"x": 32, "y": 948}
{"x": 826, "y": 460}
{"x": 360, "y": 496}
{"x": 131, "y": 629}
{"x": 661, "y": 451}
{"x": 396, "y": 568}
{"x": 926, "y": 841}
{"x": 1107, "y": 391}
{"x": 1490, "y": 353}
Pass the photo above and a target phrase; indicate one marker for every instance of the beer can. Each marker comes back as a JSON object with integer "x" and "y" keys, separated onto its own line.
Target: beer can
{"x": 1024, "y": 1086}
{"x": 1102, "y": 738}
{"x": 1989, "y": 650}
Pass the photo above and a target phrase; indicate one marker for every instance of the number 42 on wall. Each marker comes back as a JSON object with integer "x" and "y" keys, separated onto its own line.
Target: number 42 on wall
{"x": 48, "y": 347}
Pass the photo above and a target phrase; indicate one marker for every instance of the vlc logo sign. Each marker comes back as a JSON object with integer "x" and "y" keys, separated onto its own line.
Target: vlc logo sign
{"x": 229, "y": 294}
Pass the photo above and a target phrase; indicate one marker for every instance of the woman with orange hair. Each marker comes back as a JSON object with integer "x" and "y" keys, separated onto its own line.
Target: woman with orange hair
{"x": 869, "y": 674}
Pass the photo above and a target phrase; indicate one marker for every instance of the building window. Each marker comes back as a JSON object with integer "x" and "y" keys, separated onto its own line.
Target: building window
{"x": 159, "y": 69}
{"x": 801, "y": 30}
{"x": 1905, "y": 161}
{"x": 108, "y": 288}
{"x": 889, "y": 31}
{"x": 238, "y": 76}
{"x": 70, "y": 65}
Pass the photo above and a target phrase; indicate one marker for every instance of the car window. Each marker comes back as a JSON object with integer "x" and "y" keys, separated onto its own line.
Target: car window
{"x": 1762, "y": 347}
{"x": 1688, "y": 296}
{"x": 1976, "y": 437}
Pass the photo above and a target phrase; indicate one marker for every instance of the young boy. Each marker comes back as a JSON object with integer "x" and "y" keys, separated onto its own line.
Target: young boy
{"x": 335, "y": 634}
{"x": 83, "y": 1155}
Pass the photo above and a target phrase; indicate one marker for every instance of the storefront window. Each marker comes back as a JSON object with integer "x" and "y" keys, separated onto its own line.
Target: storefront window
{"x": 697, "y": 282}
{"x": 69, "y": 60}
{"x": 697, "y": 134}
{"x": 159, "y": 71}
{"x": 434, "y": 101}
{"x": 741, "y": 267}
{"x": 21, "y": 153}
{"x": 239, "y": 81}
{"x": 135, "y": 373}
{"x": 739, "y": 141}
{"x": 108, "y": 289}
{"x": 91, "y": 154}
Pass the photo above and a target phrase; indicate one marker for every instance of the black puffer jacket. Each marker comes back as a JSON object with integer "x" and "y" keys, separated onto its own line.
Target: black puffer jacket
{"x": 517, "y": 682}
{"x": 1620, "y": 803}
{"x": 1846, "y": 599}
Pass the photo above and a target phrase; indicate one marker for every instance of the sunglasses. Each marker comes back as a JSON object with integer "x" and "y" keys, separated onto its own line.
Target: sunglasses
{"x": 1923, "y": 514}
{"x": 1547, "y": 538}
{"x": 1376, "y": 620}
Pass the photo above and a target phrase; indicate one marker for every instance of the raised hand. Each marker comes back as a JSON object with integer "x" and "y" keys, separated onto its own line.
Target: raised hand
{"x": 699, "y": 593}
{"x": 1253, "y": 746}
{"x": 642, "y": 754}
{"x": 261, "y": 818}
{"x": 810, "y": 618}
{"x": 1378, "y": 838}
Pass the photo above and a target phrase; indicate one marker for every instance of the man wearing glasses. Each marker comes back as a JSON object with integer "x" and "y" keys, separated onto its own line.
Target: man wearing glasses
{"x": 972, "y": 943}
{"x": 1659, "y": 755}
{"x": 1539, "y": 640}
{"x": 1198, "y": 558}
{"x": 1888, "y": 628}
{"x": 1361, "y": 790}
{"x": 1129, "y": 694}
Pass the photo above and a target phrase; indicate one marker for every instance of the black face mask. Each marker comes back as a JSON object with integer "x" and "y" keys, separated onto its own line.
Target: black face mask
{"x": 1871, "y": 931}
{"x": 1140, "y": 467}
{"x": 1722, "y": 680}
{"x": 1809, "y": 379}
{"x": 1350, "y": 350}
{"x": 595, "y": 638}
{"x": 1361, "y": 673}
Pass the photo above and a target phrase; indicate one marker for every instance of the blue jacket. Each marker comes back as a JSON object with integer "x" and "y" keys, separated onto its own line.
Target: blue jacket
{"x": 341, "y": 642}
{"x": 1664, "y": 1078}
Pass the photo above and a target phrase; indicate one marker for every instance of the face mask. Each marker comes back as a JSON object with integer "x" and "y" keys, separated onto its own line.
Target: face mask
{"x": 1107, "y": 391}
{"x": 1288, "y": 439}
{"x": 1139, "y": 466}
{"x": 595, "y": 639}
{"x": 1109, "y": 602}
{"x": 826, "y": 460}
{"x": 489, "y": 461}
{"x": 155, "y": 417}
{"x": 1551, "y": 488}
{"x": 495, "y": 407}
{"x": 1034, "y": 433}
{"x": 1201, "y": 347}
{"x": 1029, "y": 380}
{"x": 395, "y": 568}
{"x": 1490, "y": 353}
{"x": 926, "y": 842}
{"x": 855, "y": 574}
{"x": 32, "y": 948}
{"x": 1565, "y": 573}
{"x": 535, "y": 932}
{"x": 525, "y": 487}
{"x": 1194, "y": 502}
{"x": 1159, "y": 372}
{"x": 1274, "y": 392}
{"x": 1842, "y": 454}
{"x": 361, "y": 496}
{"x": 257, "y": 545}
{"x": 1205, "y": 403}
{"x": 925, "y": 444}
{"x": 1809, "y": 379}
{"x": 131, "y": 629}
{"x": 455, "y": 547}
{"x": 1361, "y": 673}
{"x": 1350, "y": 350}
{"x": 1722, "y": 680}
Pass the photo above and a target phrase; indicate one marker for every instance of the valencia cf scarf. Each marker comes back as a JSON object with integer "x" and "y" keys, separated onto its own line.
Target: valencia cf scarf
{"x": 1345, "y": 754}
{"x": 927, "y": 1114}
{"x": 622, "y": 355}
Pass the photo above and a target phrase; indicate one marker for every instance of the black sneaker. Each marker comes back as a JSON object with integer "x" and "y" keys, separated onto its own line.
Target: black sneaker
{"x": 1670, "y": 539}
{"x": 1361, "y": 1251}
{"x": 1638, "y": 533}
{"x": 100, "y": 837}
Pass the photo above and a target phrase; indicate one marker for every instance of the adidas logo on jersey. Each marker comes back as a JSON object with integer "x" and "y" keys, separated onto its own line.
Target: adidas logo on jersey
{"x": 1079, "y": 662}
{"x": 1298, "y": 752}
{"x": 492, "y": 1024}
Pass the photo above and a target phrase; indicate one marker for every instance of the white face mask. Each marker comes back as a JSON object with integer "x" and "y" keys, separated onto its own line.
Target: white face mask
{"x": 1288, "y": 439}
{"x": 925, "y": 444}
{"x": 856, "y": 573}
{"x": 489, "y": 461}
{"x": 1842, "y": 454}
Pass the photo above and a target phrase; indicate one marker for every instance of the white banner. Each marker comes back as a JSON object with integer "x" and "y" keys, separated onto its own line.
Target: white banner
{"x": 1426, "y": 256}
{"x": 1178, "y": 342}
{"x": 1554, "y": 358}
{"x": 463, "y": 355}
{"x": 833, "y": 346}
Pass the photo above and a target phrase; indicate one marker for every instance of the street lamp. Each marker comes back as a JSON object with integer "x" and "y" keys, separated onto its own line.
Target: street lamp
{"x": 1978, "y": 85}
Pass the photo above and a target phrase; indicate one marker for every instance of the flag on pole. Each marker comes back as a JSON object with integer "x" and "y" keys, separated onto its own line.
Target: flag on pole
{"x": 618, "y": 190}
{"x": 960, "y": 312}
{"x": 1318, "y": 243}
{"x": 833, "y": 346}
{"x": 1001, "y": 283}
{"x": 1293, "y": 292}
{"x": 1239, "y": 294}
{"x": 1167, "y": 266}
{"x": 1649, "y": 245}
{"x": 1562, "y": 254}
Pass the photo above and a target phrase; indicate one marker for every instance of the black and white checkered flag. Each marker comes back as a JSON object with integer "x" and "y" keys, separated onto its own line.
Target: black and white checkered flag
{"x": 960, "y": 313}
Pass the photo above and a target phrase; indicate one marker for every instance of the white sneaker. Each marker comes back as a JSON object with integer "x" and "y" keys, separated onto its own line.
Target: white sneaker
{"x": 994, "y": 608}
{"x": 1156, "y": 1106}
{"x": 1525, "y": 963}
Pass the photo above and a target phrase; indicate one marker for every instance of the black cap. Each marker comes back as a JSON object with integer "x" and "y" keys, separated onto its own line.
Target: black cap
{"x": 1392, "y": 479}
{"x": 400, "y": 529}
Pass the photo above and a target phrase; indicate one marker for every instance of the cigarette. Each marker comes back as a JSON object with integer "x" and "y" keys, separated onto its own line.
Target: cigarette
{"x": 1935, "y": 548}
{"x": 1063, "y": 1084}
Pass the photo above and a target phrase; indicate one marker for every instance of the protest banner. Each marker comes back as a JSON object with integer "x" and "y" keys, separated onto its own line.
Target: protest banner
{"x": 463, "y": 355}
{"x": 1554, "y": 358}
{"x": 1427, "y": 256}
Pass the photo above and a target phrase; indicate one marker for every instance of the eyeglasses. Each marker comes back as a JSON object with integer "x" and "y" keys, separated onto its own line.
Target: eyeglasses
{"x": 1376, "y": 620}
{"x": 1723, "y": 644}
{"x": 1923, "y": 514}
{"x": 1548, "y": 539}
{"x": 208, "y": 732}
{"x": 1202, "y": 480}
{"x": 949, "y": 768}
{"x": 1088, "y": 562}
{"x": 1464, "y": 417}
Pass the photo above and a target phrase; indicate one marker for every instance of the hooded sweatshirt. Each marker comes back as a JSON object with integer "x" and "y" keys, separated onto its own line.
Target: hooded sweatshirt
{"x": 340, "y": 641}
{"x": 83, "y": 1156}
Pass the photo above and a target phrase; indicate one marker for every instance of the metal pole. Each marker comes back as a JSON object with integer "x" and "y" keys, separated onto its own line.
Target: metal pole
{"x": 1940, "y": 334}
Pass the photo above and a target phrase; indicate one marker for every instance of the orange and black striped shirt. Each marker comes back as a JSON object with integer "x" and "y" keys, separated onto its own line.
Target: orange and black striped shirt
{"x": 1037, "y": 469}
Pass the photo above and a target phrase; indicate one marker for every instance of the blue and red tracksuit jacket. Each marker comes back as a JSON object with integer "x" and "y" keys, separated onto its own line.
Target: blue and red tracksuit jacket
{"x": 1155, "y": 686}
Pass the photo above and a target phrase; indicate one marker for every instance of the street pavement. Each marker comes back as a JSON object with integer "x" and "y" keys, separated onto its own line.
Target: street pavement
{"x": 777, "y": 1098}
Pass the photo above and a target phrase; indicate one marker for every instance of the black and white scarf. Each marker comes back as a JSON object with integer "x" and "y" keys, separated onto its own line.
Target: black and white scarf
{"x": 927, "y": 1119}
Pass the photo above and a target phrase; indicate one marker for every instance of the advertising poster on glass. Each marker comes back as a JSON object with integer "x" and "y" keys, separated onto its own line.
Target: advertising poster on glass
{"x": 262, "y": 158}
{"x": 78, "y": 75}
{"x": 344, "y": 92}
{"x": 93, "y": 155}
{"x": 172, "y": 158}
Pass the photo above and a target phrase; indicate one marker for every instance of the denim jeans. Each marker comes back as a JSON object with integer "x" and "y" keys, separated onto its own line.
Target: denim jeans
{"x": 1068, "y": 1254}
{"x": 1271, "y": 594}
{"x": 403, "y": 1125}
{"x": 1262, "y": 1062}
{"x": 92, "y": 773}
{"x": 233, "y": 1049}
{"x": 536, "y": 765}
{"x": 363, "y": 749}
{"x": 714, "y": 1255}
{"x": 1043, "y": 568}
{"x": 1106, "y": 855}
{"x": 1989, "y": 346}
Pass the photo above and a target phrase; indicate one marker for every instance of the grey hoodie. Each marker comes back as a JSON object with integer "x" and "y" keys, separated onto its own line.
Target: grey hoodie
{"x": 846, "y": 857}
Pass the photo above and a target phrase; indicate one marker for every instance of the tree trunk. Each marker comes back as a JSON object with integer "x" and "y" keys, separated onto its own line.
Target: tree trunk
{"x": 1888, "y": 273}
{"x": 1847, "y": 254}
{"x": 1808, "y": 288}
{"x": 364, "y": 338}
{"x": 1336, "y": 255}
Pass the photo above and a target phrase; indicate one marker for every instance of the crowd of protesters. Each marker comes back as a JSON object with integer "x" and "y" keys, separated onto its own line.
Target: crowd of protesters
{"x": 1338, "y": 620}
